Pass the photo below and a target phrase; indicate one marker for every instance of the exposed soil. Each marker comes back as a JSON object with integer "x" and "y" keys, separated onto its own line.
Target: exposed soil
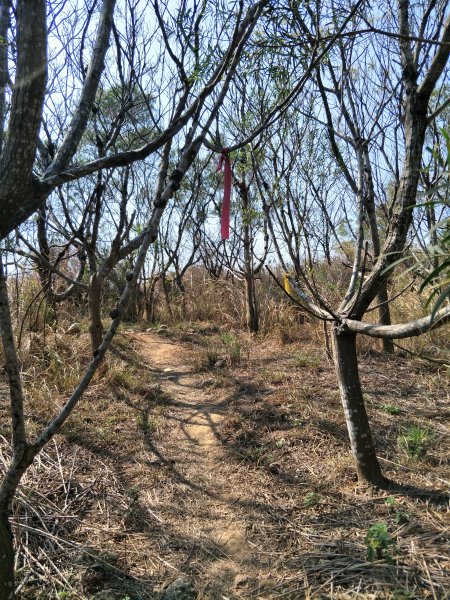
{"x": 196, "y": 414}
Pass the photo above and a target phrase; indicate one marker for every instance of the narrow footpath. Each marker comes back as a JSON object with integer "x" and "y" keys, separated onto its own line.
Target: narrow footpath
{"x": 209, "y": 510}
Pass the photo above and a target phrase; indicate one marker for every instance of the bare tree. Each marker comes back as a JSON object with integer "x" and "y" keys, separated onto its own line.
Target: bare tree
{"x": 202, "y": 88}
{"x": 387, "y": 127}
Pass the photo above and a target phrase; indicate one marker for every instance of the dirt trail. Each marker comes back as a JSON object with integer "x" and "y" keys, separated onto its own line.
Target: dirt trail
{"x": 196, "y": 413}
{"x": 202, "y": 412}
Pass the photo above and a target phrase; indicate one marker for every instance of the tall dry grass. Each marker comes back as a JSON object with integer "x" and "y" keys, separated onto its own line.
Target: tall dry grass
{"x": 221, "y": 302}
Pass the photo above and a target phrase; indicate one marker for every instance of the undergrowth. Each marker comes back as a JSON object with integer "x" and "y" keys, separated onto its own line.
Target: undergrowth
{"x": 282, "y": 434}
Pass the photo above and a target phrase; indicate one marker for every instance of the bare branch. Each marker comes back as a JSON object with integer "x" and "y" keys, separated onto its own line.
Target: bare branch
{"x": 403, "y": 330}
{"x": 88, "y": 93}
{"x": 437, "y": 66}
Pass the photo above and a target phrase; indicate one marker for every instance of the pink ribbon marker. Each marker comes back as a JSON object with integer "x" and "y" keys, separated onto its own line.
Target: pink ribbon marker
{"x": 224, "y": 162}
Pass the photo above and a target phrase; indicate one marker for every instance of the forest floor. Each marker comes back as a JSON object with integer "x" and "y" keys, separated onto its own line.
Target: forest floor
{"x": 225, "y": 460}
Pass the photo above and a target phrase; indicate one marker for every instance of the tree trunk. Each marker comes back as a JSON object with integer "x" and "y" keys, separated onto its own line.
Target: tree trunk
{"x": 251, "y": 305}
{"x": 182, "y": 292}
{"x": 384, "y": 316}
{"x": 95, "y": 314}
{"x": 150, "y": 309}
{"x": 150, "y": 305}
{"x": 135, "y": 306}
{"x": 363, "y": 450}
{"x": 168, "y": 288}
{"x": 6, "y": 558}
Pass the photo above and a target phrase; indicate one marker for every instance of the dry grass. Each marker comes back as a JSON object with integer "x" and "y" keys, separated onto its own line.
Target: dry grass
{"x": 118, "y": 502}
{"x": 297, "y": 434}
{"x": 66, "y": 518}
{"x": 222, "y": 301}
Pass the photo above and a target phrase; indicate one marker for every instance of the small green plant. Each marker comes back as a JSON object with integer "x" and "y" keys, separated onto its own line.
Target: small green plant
{"x": 390, "y": 408}
{"x": 259, "y": 454}
{"x": 414, "y": 441}
{"x": 134, "y": 493}
{"x": 106, "y": 558}
{"x": 226, "y": 350}
{"x": 401, "y": 515}
{"x": 280, "y": 443}
{"x": 125, "y": 377}
{"x": 209, "y": 357}
{"x": 273, "y": 377}
{"x": 232, "y": 347}
{"x": 311, "y": 499}
{"x": 307, "y": 360}
{"x": 378, "y": 542}
{"x": 402, "y": 594}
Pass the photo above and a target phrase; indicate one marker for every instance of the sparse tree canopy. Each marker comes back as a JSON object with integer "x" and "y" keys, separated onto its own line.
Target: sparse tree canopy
{"x": 110, "y": 114}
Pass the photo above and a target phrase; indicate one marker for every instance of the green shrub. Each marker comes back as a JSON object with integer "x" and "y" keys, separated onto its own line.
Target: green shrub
{"x": 414, "y": 441}
{"x": 378, "y": 542}
{"x": 311, "y": 499}
{"x": 390, "y": 408}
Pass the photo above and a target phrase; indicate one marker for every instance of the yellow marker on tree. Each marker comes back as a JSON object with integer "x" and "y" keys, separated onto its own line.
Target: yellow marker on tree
{"x": 287, "y": 285}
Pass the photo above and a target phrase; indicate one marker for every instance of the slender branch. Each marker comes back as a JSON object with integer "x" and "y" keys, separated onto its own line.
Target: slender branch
{"x": 403, "y": 330}
{"x": 88, "y": 93}
{"x": 392, "y": 298}
{"x": 395, "y": 35}
{"x": 38, "y": 257}
{"x": 359, "y": 235}
{"x": 438, "y": 111}
{"x": 422, "y": 356}
{"x": 438, "y": 64}
{"x": 305, "y": 302}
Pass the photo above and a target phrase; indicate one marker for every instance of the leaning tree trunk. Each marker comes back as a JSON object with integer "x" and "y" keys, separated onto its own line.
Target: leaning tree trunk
{"x": 7, "y": 584}
{"x": 384, "y": 316}
{"x": 363, "y": 450}
{"x": 95, "y": 312}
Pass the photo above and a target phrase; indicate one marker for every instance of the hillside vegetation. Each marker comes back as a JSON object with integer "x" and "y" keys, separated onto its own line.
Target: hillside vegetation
{"x": 204, "y": 451}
